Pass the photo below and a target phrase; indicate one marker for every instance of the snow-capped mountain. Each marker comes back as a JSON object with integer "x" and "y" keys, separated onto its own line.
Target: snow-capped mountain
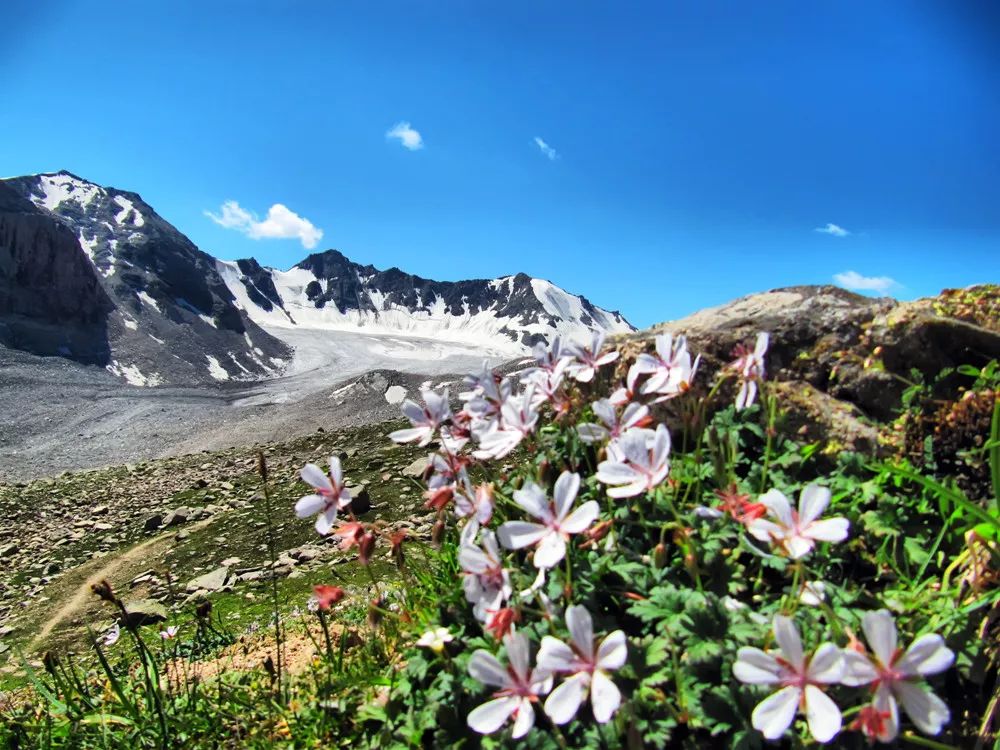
{"x": 327, "y": 291}
{"x": 95, "y": 274}
{"x": 158, "y": 311}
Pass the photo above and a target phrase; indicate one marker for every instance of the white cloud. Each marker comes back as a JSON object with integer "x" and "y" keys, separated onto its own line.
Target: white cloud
{"x": 546, "y": 149}
{"x": 280, "y": 223}
{"x": 836, "y": 231}
{"x": 406, "y": 135}
{"x": 855, "y": 281}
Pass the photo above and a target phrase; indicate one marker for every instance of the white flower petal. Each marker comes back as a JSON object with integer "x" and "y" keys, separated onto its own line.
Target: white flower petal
{"x": 822, "y": 714}
{"x": 880, "y": 631}
{"x": 567, "y": 485}
{"x": 774, "y": 714}
{"x": 555, "y": 656}
{"x": 756, "y": 667}
{"x": 550, "y": 551}
{"x": 581, "y": 629}
{"x": 518, "y": 534}
{"x": 314, "y": 476}
{"x": 812, "y": 502}
{"x": 524, "y": 719}
{"x": 580, "y": 519}
{"x": 858, "y": 669}
{"x": 490, "y": 716}
{"x": 787, "y": 636}
{"x": 335, "y": 470}
{"x": 518, "y": 653}
{"x": 309, "y": 505}
{"x": 484, "y": 667}
{"x": 563, "y": 702}
{"x": 778, "y": 506}
{"x": 605, "y": 697}
{"x": 827, "y": 664}
{"x": 928, "y": 712}
{"x": 829, "y": 530}
{"x": 927, "y": 655}
{"x": 407, "y": 435}
{"x": 613, "y": 651}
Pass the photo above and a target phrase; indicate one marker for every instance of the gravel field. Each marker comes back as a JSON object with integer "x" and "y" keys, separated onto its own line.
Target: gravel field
{"x": 56, "y": 415}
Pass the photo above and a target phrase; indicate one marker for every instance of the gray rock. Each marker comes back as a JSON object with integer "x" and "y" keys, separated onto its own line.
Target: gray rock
{"x": 361, "y": 499}
{"x": 416, "y": 469}
{"x": 213, "y": 581}
{"x": 144, "y": 612}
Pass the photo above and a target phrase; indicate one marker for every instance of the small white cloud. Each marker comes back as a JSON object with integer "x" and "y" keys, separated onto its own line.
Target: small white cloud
{"x": 836, "y": 231}
{"x": 855, "y": 281}
{"x": 405, "y": 134}
{"x": 546, "y": 149}
{"x": 280, "y": 223}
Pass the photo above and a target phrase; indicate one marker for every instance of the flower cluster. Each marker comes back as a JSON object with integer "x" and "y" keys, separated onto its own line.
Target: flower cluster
{"x": 511, "y": 532}
{"x": 894, "y": 676}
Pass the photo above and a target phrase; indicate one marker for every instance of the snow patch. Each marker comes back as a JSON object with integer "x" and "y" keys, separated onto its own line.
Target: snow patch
{"x": 57, "y": 188}
{"x": 128, "y": 208}
{"x": 130, "y": 324}
{"x": 207, "y": 319}
{"x": 216, "y": 370}
{"x": 148, "y": 300}
{"x": 133, "y": 374}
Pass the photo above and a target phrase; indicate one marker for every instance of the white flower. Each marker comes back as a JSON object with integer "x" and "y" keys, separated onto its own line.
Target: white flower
{"x": 312, "y": 604}
{"x": 425, "y": 419}
{"x": 749, "y": 366}
{"x": 799, "y": 677}
{"x": 331, "y": 495}
{"x": 635, "y": 465}
{"x": 589, "y": 358}
{"x": 477, "y": 502}
{"x": 519, "y": 686}
{"x": 813, "y": 593}
{"x": 897, "y": 676}
{"x": 111, "y": 637}
{"x": 487, "y": 583}
{"x": 588, "y": 663}
{"x": 796, "y": 532}
{"x": 634, "y": 415}
{"x": 170, "y": 633}
{"x": 670, "y": 370}
{"x": 518, "y": 417}
{"x": 436, "y": 639}
{"x": 557, "y": 522}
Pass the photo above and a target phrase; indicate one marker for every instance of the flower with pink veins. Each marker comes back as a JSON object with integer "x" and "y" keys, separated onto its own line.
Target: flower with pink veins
{"x": 557, "y": 522}
{"x": 896, "y": 677}
{"x": 425, "y": 419}
{"x": 520, "y": 688}
{"x": 486, "y": 582}
{"x": 670, "y": 370}
{"x": 749, "y": 366}
{"x": 477, "y": 502}
{"x": 589, "y": 358}
{"x": 331, "y": 495}
{"x": 800, "y": 679}
{"x": 518, "y": 419}
{"x": 634, "y": 465}
{"x": 634, "y": 415}
{"x": 588, "y": 664}
{"x": 796, "y": 532}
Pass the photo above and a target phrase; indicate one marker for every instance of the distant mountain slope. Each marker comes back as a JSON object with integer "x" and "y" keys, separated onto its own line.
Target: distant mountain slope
{"x": 155, "y": 309}
{"x": 163, "y": 316}
{"x": 328, "y": 291}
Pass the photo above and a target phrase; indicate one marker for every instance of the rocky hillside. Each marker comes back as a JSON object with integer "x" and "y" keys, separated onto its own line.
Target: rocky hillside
{"x": 130, "y": 291}
{"x": 842, "y": 360}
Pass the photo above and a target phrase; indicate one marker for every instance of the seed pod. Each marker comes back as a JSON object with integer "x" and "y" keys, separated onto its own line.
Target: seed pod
{"x": 660, "y": 556}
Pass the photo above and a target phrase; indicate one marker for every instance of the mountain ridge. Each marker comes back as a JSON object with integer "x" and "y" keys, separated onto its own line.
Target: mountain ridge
{"x": 180, "y": 315}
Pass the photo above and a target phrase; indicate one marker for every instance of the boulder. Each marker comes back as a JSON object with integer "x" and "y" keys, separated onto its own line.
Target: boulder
{"x": 213, "y": 581}
{"x": 417, "y": 468}
{"x": 144, "y": 612}
{"x": 361, "y": 499}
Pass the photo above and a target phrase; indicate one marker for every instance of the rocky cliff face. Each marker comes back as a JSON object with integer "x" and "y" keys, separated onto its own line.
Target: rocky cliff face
{"x": 51, "y": 299}
{"x": 127, "y": 289}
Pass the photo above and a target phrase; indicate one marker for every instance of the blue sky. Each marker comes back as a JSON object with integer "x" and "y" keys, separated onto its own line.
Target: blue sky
{"x": 696, "y": 147}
